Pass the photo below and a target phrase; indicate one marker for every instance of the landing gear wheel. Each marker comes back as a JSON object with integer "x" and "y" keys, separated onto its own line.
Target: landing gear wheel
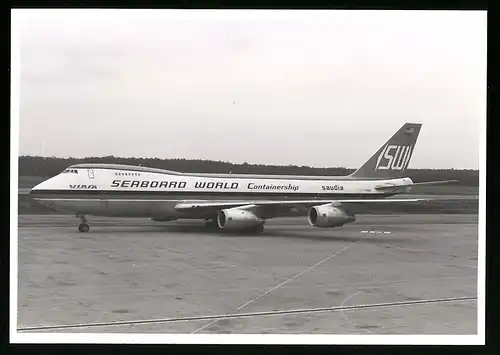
{"x": 257, "y": 230}
{"x": 83, "y": 227}
{"x": 211, "y": 224}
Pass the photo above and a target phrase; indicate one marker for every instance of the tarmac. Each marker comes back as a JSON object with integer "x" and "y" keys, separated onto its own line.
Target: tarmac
{"x": 383, "y": 274}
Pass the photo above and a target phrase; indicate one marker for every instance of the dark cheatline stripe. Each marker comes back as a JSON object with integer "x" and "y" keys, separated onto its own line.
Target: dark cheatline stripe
{"x": 113, "y": 194}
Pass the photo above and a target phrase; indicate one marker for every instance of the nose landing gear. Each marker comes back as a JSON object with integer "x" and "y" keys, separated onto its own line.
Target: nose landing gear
{"x": 83, "y": 227}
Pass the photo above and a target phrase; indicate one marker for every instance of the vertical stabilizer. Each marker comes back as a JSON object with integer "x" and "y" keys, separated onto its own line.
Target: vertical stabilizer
{"x": 393, "y": 158}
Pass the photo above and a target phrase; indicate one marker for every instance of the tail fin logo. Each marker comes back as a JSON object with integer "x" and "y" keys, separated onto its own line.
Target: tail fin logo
{"x": 396, "y": 157}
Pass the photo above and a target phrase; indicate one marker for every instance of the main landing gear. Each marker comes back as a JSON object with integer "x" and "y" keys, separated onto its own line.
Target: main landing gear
{"x": 83, "y": 227}
{"x": 256, "y": 230}
{"x": 211, "y": 224}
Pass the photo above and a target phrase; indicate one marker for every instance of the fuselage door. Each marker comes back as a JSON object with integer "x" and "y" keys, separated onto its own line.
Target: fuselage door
{"x": 91, "y": 173}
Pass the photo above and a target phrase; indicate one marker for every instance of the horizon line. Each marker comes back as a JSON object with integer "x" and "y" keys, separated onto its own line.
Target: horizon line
{"x": 225, "y": 162}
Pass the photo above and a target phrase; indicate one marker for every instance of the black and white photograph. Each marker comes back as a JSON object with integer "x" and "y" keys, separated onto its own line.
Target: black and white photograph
{"x": 248, "y": 176}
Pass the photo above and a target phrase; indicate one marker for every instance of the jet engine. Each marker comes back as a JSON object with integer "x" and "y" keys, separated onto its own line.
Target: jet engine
{"x": 328, "y": 217}
{"x": 238, "y": 219}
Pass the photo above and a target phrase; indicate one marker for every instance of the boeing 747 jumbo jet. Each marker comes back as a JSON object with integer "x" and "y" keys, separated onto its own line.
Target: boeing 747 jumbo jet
{"x": 231, "y": 201}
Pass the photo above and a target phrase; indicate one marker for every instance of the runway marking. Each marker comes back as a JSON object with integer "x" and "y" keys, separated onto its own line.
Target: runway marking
{"x": 253, "y": 314}
{"x": 342, "y": 311}
{"x": 375, "y": 232}
{"x": 283, "y": 283}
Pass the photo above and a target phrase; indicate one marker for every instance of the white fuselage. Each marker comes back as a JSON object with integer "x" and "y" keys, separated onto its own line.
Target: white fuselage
{"x": 113, "y": 190}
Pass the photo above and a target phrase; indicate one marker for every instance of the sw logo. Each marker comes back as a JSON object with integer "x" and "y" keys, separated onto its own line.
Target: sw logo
{"x": 83, "y": 186}
{"x": 396, "y": 157}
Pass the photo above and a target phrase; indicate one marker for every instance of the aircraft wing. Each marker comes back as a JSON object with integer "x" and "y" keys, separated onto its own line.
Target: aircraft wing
{"x": 270, "y": 207}
{"x": 390, "y": 186}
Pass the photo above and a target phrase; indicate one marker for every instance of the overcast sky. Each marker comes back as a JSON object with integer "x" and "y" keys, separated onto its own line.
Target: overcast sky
{"x": 317, "y": 88}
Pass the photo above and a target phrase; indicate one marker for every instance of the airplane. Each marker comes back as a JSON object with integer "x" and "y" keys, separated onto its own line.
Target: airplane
{"x": 238, "y": 202}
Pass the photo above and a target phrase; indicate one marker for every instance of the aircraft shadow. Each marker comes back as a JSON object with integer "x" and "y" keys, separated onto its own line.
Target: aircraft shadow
{"x": 328, "y": 236}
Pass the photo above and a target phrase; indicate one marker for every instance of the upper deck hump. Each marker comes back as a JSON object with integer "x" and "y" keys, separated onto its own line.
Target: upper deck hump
{"x": 212, "y": 175}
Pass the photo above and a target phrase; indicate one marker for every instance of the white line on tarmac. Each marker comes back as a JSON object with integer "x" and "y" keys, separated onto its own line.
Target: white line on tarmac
{"x": 342, "y": 311}
{"x": 253, "y": 314}
{"x": 283, "y": 283}
{"x": 375, "y": 232}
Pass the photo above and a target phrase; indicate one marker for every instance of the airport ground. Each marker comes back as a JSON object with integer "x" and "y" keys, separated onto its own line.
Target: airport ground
{"x": 414, "y": 273}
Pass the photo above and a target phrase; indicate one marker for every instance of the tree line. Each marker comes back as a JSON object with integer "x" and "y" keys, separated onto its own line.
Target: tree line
{"x": 50, "y": 166}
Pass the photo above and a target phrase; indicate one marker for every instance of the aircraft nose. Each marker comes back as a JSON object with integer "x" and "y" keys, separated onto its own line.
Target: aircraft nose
{"x": 34, "y": 190}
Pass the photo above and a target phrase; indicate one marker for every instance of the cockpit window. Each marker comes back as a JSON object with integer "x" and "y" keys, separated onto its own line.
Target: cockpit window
{"x": 71, "y": 171}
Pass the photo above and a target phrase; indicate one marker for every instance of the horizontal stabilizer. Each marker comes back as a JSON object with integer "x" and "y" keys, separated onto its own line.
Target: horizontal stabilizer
{"x": 390, "y": 187}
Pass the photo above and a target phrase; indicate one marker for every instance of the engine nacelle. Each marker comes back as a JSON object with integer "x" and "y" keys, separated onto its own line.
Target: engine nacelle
{"x": 237, "y": 219}
{"x": 328, "y": 217}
